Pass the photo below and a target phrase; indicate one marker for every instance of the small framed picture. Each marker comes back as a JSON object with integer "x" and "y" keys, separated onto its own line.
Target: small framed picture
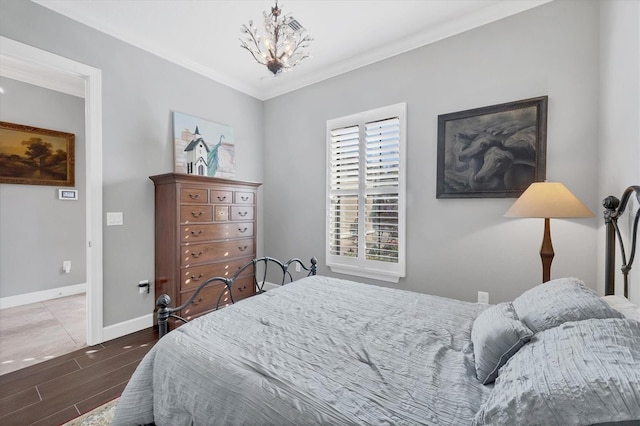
{"x": 68, "y": 194}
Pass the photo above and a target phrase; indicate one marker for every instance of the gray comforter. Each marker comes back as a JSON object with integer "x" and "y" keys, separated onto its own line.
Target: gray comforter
{"x": 317, "y": 351}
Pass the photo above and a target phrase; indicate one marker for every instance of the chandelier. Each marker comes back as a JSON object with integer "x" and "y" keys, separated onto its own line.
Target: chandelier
{"x": 284, "y": 45}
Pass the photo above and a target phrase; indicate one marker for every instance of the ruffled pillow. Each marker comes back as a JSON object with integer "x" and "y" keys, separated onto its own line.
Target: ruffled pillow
{"x": 579, "y": 373}
{"x": 558, "y": 301}
{"x": 496, "y": 334}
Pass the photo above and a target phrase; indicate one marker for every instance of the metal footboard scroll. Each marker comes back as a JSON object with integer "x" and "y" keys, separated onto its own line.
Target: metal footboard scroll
{"x": 260, "y": 274}
{"x": 614, "y": 208}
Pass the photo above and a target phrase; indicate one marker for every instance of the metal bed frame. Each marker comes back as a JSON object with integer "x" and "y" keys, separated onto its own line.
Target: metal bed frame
{"x": 165, "y": 312}
{"x": 614, "y": 208}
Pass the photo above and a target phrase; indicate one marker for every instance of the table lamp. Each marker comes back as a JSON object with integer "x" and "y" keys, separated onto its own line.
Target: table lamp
{"x": 548, "y": 200}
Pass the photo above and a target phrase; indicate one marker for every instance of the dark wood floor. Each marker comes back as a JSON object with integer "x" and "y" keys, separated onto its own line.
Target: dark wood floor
{"x": 58, "y": 390}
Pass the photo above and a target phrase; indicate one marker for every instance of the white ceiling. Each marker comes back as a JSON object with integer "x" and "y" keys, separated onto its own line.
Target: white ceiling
{"x": 203, "y": 35}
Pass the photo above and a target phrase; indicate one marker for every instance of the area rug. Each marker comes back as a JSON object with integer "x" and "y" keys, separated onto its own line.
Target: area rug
{"x": 100, "y": 416}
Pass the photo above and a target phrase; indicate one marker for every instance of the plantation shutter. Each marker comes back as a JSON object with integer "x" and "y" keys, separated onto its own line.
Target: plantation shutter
{"x": 381, "y": 189}
{"x": 344, "y": 188}
{"x": 365, "y": 193}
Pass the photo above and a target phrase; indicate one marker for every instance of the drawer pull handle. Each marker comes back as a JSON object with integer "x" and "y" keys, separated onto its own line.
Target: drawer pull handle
{"x": 244, "y": 198}
{"x": 243, "y": 248}
{"x": 194, "y": 196}
{"x": 224, "y": 197}
{"x": 196, "y": 302}
{"x": 195, "y": 234}
{"x": 196, "y": 214}
{"x": 194, "y": 278}
{"x": 242, "y": 288}
{"x": 196, "y": 255}
{"x": 242, "y": 230}
{"x": 242, "y": 214}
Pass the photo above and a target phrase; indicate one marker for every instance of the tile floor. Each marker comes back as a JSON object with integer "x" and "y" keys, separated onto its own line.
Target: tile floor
{"x": 33, "y": 333}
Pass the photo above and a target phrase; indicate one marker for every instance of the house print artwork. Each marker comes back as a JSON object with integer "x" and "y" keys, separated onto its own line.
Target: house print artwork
{"x": 203, "y": 147}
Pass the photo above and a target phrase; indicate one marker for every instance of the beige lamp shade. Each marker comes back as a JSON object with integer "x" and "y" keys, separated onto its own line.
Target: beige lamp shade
{"x": 548, "y": 200}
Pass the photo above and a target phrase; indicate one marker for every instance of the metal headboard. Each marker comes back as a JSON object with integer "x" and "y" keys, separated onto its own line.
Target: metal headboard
{"x": 614, "y": 208}
{"x": 226, "y": 297}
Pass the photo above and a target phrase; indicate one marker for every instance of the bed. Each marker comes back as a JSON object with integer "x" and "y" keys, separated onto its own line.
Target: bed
{"x": 321, "y": 350}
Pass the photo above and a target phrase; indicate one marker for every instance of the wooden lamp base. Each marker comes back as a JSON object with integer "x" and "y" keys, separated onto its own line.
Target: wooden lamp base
{"x": 546, "y": 251}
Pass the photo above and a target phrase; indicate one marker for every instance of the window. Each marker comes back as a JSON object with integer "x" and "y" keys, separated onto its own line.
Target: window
{"x": 366, "y": 193}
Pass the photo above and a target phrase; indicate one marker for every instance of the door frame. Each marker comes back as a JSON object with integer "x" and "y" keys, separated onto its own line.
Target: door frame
{"x": 45, "y": 66}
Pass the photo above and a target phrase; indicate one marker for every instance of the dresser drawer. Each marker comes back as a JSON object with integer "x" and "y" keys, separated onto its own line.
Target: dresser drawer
{"x": 193, "y": 195}
{"x": 202, "y": 253}
{"x": 215, "y": 231}
{"x": 193, "y": 276}
{"x": 244, "y": 197}
{"x": 208, "y": 298}
{"x": 205, "y": 301}
{"x": 241, "y": 212}
{"x": 243, "y": 288}
{"x": 195, "y": 213}
{"x": 225, "y": 197}
{"x": 221, "y": 213}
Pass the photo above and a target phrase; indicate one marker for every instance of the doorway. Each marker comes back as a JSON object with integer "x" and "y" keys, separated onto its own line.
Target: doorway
{"x": 39, "y": 67}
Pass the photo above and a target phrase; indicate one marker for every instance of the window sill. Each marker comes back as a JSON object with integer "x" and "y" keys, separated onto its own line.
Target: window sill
{"x": 379, "y": 275}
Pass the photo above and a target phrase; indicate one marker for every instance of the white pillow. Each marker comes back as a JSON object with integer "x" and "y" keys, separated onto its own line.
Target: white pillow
{"x": 624, "y": 306}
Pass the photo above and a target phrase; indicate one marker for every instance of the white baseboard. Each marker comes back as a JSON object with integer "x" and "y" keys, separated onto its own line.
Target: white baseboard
{"x": 40, "y": 296}
{"x": 127, "y": 327}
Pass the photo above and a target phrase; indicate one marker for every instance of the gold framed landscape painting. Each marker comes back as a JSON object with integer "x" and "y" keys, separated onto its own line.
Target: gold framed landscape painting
{"x": 35, "y": 156}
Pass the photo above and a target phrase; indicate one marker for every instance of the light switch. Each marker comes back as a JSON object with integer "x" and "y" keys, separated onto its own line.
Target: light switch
{"x": 114, "y": 218}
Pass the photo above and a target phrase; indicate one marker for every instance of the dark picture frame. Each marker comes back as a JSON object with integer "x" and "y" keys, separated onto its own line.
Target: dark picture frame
{"x": 34, "y": 156}
{"x": 492, "y": 152}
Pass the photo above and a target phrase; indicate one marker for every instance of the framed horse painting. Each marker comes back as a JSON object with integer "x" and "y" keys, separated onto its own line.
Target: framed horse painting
{"x": 492, "y": 152}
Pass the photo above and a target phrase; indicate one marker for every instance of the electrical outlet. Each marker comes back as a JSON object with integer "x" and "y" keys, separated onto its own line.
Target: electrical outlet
{"x": 143, "y": 286}
{"x": 298, "y": 269}
{"x": 66, "y": 266}
{"x": 483, "y": 297}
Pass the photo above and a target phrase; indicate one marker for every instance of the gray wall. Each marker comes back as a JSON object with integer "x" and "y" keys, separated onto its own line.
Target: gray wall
{"x": 139, "y": 91}
{"x": 37, "y": 230}
{"x": 619, "y": 151}
{"x": 454, "y": 247}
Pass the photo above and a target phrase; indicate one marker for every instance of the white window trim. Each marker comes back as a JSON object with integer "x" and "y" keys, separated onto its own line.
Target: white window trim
{"x": 383, "y": 271}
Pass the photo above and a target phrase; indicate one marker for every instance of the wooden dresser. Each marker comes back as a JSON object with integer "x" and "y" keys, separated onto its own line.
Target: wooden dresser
{"x": 204, "y": 227}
